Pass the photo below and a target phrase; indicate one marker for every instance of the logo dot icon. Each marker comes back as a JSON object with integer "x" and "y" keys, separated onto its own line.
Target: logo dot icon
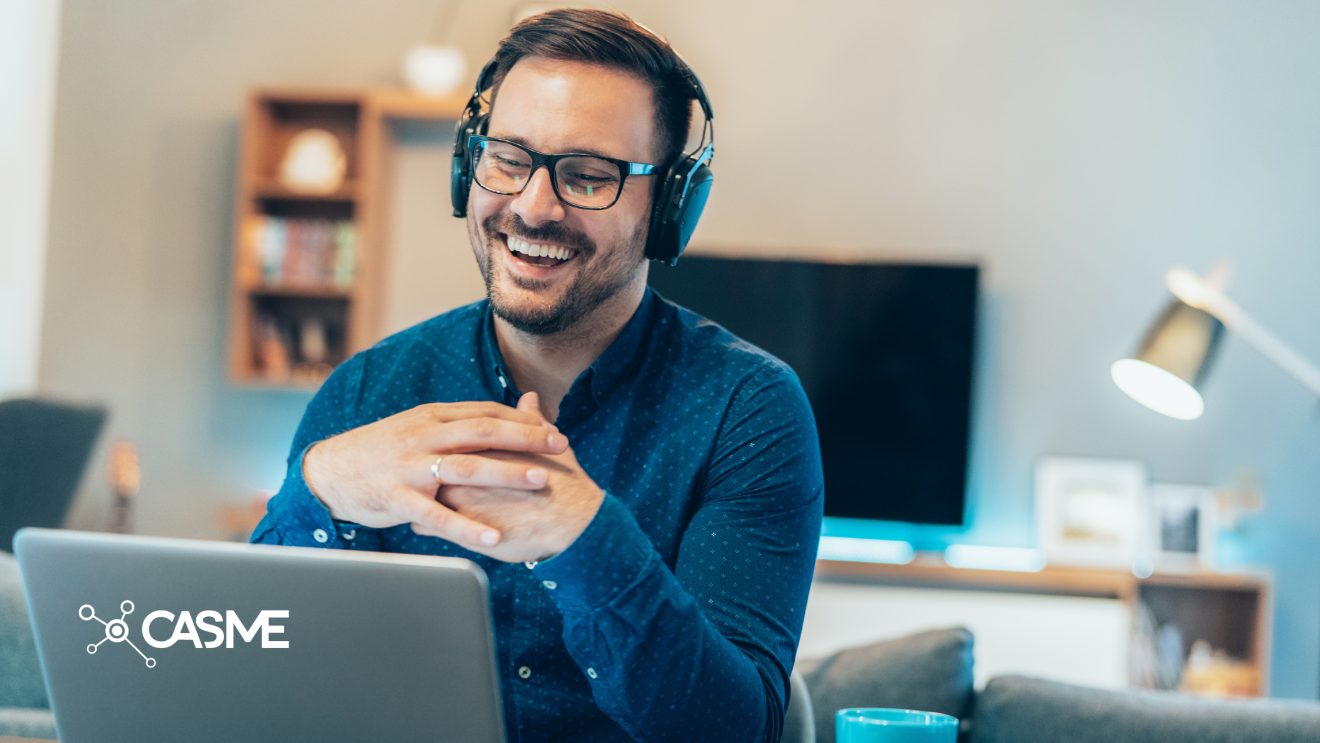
{"x": 116, "y": 630}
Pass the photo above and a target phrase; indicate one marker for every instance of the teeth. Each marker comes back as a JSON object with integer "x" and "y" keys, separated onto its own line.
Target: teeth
{"x": 518, "y": 245}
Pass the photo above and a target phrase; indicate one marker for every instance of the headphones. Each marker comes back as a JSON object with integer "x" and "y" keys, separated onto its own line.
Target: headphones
{"x": 679, "y": 199}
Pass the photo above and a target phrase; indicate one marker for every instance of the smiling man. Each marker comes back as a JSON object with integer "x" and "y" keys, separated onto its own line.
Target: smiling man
{"x": 642, "y": 488}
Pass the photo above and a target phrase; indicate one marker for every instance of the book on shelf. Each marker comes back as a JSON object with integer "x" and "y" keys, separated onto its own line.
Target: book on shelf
{"x": 283, "y": 251}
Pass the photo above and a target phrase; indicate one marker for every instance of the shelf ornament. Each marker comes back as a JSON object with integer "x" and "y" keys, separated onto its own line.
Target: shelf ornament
{"x": 314, "y": 163}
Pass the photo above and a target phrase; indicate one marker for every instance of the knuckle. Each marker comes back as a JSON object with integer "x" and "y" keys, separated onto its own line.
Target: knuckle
{"x": 484, "y": 428}
{"x": 464, "y": 466}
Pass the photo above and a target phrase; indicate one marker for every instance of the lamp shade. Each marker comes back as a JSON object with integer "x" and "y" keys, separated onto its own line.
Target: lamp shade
{"x": 1166, "y": 372}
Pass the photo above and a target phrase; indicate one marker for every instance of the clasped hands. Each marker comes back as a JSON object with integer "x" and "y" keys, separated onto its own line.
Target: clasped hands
{"x": 511, "y": 487}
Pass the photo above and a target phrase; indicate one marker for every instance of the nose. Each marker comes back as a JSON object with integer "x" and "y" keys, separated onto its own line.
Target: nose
{"x": 538, "y": 204}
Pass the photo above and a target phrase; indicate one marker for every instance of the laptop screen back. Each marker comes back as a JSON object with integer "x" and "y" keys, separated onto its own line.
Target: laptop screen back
{"x": 145, "y": 639}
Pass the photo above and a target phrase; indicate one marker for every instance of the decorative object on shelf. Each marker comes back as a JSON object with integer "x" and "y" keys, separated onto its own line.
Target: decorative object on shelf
{"x": 125, "y": 477}
{"x": 311, "y": 340}
{"x": 1181, "y": 527}
{"x": 272, "y": 350}
{"x": 1215, "y": 673}
{"x": 1241, "y": 499}
{"x": 1088, "y": 511}
{"x": 314, "y": 163}
{"x": 1168, "y": 369}
{"x": 434, "y": 70}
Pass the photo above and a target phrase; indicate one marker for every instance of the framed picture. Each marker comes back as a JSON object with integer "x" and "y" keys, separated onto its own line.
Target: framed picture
{"x": 1181, "y": 526}
{"x": 1090, "y": 512}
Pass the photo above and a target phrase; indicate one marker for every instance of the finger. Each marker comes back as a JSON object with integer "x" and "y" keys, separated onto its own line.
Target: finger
{"x": 446, "y": 412}
{"x": 530, "y": 403}
{"x": 439, "y": 521}
{"x": 477, "y": 434}
{"x": 471, "y": 469}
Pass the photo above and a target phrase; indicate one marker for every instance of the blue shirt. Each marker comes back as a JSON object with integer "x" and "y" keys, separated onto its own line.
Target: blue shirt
{"x": 675, "y": 615}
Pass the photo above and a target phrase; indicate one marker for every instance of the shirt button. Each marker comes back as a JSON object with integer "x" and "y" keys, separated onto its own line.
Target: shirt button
{"x": 550, "y": 584}
{"x": 525, "y": 672}
{"x": 320, "y": 536}
{"x": 349, "y": 534}
{"x": 591, "y": 672}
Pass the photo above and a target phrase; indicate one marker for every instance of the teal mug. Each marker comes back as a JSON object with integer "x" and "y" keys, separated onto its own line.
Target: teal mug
{"x": 879, "y": 725}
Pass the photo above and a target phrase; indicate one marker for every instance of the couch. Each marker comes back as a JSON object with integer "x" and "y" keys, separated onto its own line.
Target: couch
{"x": 929, "y": 671}
{"x": 24, "y": 709}
{"x": 932, "y": 671}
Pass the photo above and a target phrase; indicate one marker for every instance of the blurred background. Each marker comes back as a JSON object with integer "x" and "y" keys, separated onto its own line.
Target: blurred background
{"x": 1073, "y": 150}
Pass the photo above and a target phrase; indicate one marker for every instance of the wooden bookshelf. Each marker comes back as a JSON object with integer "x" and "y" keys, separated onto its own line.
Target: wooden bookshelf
{"x": 1232, "y": 611}
{"x": 283, "y": 301}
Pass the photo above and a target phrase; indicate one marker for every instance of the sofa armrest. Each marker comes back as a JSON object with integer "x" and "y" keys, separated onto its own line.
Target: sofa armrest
{"x": 1016, "y": 709}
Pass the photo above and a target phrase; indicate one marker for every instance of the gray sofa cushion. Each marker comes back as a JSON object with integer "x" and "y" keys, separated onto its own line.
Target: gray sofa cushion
{"x": 930, "y": 671}
{"x": 1014, "y": 709}
{"x": 20, "y": 671}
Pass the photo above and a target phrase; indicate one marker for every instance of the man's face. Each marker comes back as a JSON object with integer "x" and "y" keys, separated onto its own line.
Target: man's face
{"x": 564, "y": 107}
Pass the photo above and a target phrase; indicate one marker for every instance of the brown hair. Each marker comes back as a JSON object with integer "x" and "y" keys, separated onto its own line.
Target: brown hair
{"x": 610, "y": 40}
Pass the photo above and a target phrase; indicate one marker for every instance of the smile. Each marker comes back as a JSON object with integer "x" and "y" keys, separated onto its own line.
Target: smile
{"x": 538, "y": 254}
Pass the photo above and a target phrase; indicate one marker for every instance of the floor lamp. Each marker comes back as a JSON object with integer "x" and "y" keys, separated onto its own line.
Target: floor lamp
{"x": 1170, "y": 365}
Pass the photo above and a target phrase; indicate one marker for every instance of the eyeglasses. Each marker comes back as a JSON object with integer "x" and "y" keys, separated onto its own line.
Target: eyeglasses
{"x": 583, "y": 181}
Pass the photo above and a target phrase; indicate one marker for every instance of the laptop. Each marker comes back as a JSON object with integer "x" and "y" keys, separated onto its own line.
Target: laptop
{"x": 146, "y": 640}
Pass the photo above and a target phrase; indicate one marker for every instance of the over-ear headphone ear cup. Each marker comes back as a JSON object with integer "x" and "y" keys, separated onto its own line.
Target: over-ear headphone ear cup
{"x": 460, "y": 169}
{"x": 458, "y": 182}
{"x": 689, "y": 212}
{"x": 678, "y": 209}
{"x": 655, "y": 238}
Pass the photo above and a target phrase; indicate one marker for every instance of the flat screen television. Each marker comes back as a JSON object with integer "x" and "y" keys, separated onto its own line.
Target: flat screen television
{"x": 884, "y": 352}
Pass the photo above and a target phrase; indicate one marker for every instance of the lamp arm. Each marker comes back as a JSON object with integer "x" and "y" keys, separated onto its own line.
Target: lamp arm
{"x": 1196, "y": 292}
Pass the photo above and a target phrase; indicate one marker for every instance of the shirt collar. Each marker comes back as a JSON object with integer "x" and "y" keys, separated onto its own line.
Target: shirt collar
{"x": 618, "y": 362}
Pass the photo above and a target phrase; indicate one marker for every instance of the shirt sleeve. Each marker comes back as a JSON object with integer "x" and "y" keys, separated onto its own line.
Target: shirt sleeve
{"x": 295, "y": 516}
{"x": 703, "y": 652}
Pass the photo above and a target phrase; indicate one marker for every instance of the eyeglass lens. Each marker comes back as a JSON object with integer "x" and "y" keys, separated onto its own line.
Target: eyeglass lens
{"x": 585, "y": 181}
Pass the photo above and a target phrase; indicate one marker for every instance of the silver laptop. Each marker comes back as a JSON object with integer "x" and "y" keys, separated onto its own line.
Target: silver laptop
{"x": 145, "y": 639}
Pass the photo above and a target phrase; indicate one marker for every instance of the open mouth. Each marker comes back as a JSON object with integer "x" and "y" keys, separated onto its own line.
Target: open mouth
{"x": 538, "y": 254}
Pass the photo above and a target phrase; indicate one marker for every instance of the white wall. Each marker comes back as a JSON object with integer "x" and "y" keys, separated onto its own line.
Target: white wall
{"x": 29, "y": 37}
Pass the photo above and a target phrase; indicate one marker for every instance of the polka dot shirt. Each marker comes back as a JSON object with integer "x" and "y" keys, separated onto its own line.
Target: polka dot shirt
{"x": 675, "y": 616}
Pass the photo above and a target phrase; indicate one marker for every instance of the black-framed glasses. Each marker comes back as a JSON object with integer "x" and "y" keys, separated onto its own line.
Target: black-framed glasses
{"x": 582, "y": 181}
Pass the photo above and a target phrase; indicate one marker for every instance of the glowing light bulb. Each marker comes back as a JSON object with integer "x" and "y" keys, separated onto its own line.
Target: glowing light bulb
{"x": 1157, "y": 389}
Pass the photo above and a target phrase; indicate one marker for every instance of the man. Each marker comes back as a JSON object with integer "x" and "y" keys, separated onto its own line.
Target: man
{"x": 648, "y": 511}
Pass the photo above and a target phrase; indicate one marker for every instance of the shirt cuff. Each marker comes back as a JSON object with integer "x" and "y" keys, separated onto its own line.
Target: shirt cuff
{"x": 611, "y": 554}
{"x": 301, "y": 519}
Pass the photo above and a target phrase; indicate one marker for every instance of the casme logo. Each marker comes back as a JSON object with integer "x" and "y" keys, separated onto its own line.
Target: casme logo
{"x": 185, "y": 628}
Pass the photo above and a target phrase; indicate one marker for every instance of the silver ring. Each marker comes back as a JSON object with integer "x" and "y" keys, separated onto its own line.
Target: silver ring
{"x": 435, "y": 469}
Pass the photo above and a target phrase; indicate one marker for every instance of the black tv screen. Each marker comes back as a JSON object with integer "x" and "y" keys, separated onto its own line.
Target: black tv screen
{"x": 884, "y": 352}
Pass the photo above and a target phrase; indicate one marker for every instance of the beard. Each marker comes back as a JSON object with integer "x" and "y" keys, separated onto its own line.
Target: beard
{"x": 597, "y": 278}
